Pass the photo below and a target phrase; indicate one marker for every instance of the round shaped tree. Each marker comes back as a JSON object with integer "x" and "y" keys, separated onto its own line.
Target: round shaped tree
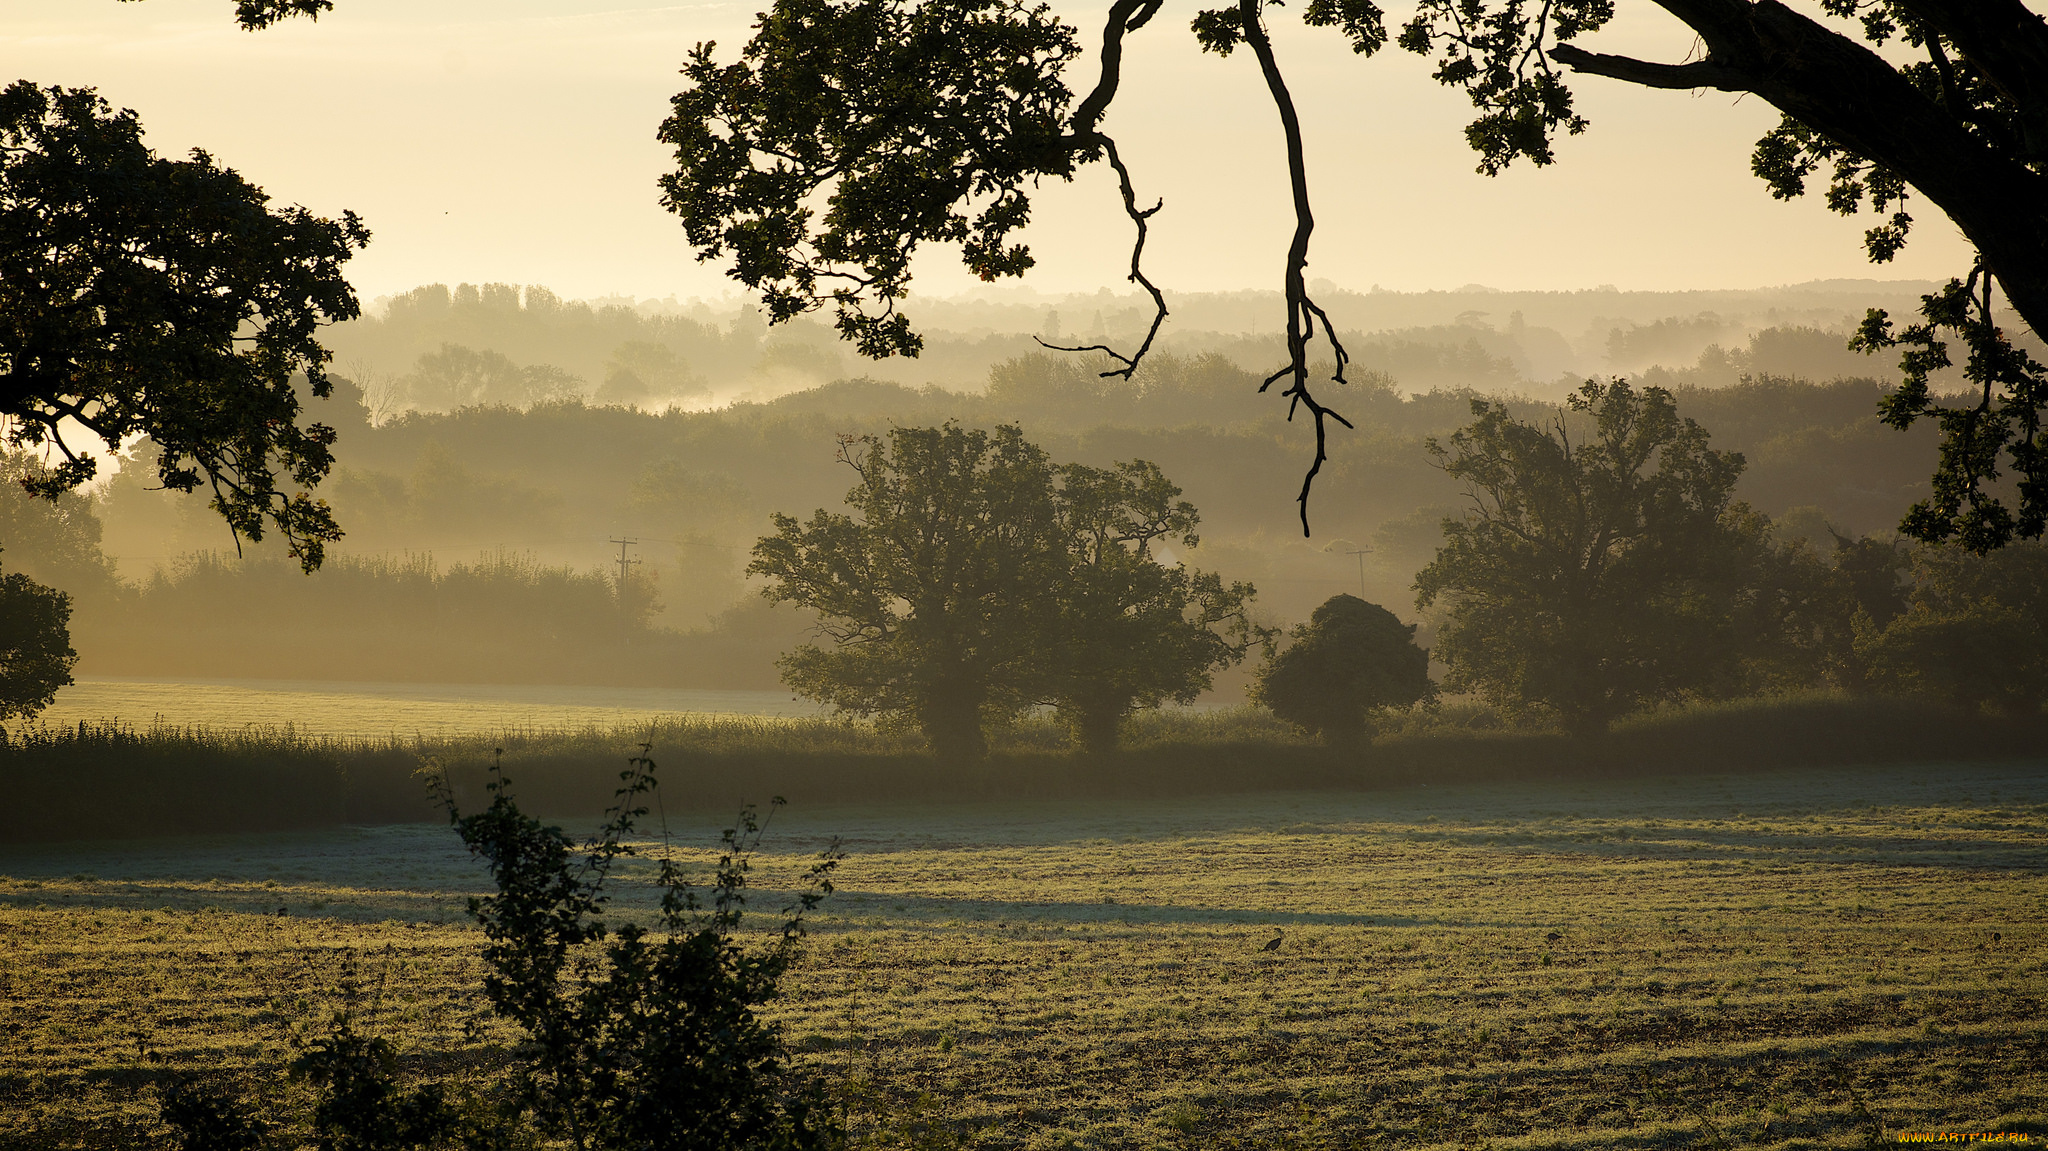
{"x": 1350, "y": 660}
{"x": 35, "y": 646}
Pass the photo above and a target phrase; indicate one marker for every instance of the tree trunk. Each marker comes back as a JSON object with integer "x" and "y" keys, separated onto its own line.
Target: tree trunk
{"x": 1097, "y": 725}
{"x": 1849, "y": 94}
{"x": 950, "y": 716}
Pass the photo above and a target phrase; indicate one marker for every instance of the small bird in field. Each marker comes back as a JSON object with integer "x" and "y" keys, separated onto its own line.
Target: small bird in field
{"x": 1273, "y": 944}
{"x": 1553, "y": 937}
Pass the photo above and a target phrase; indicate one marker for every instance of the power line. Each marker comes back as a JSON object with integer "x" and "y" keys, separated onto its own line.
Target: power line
{"x": 624, "y": 566}
{"x": 1361, "y": 553}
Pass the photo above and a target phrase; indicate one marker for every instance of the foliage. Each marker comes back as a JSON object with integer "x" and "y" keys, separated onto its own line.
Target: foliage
{"x": 35, "y": 645}
{"x": 363, "y": 1106}
{"x": 1127, "y": 628}
{"x": 2010, "y": 387}
{"x": 56, "y": 541}
{"x": 979, "y": 578}
{"x": 1974, "y": 634}
{"x": 656, "y": 1041}
{"x": 636, "y": 1039}
{"x": 1486, "y": 50}
{"x": 143, "y": 296}
{"x": 1351, "y": 660}
{"x": 207, "y": 1118}
{"x": 929, "y": 597}
{"x": 1591, "y": 577}
{"x": 896, "y": 115}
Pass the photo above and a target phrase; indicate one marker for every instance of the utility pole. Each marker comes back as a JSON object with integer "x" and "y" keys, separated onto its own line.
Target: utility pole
{"x": 625, "y": 568}
{"x": 1361, "y": 553}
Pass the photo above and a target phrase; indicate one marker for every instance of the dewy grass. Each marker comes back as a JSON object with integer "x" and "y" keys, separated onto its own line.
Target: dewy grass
{"x": 109, "y": 780}
{"x": 1782, "y": 960}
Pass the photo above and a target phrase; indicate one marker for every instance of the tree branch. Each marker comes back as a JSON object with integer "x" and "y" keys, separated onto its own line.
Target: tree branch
{"x": 1124, "y": 16}
{"x": 2009, "y": 45}
{"x": 1302, "y": 312}
{"x": 1139, "y": 218}
{"x": 1698, "y": 74}
{"x": 1841, "y": 89}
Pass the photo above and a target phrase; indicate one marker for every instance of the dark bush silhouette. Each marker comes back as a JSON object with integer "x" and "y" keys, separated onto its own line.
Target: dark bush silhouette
{"x": 659, "y": 1046}
{"x": 636, "y": 1038}
{"x": 1351, "y": 660}
{"x": 35, "y": 645}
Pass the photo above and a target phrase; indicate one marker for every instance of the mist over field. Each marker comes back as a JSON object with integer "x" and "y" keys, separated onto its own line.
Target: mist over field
{"x": 953, "y": 575}
{"x": 496, "y": 441}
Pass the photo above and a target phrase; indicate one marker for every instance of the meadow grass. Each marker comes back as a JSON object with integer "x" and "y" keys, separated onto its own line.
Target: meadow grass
{"x": 112, "y": 780}
{"x": 1806, "y": 958}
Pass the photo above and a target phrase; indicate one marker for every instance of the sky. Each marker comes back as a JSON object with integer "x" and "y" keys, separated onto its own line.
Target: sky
{"x": 513, "y": 141}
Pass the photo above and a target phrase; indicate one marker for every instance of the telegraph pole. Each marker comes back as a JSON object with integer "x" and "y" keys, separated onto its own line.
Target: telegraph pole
{"x": 625, "y": 568}
{"x": 1361, "y": 553}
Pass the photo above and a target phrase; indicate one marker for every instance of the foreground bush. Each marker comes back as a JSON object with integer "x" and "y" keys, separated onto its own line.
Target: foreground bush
{"x": 635, "y": 1038}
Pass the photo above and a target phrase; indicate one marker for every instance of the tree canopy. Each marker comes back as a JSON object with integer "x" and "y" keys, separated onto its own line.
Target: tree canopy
{"x": 141, "y": 296}
{"x": 35, "y": 645}
{"x": 1350, "y": 661}
{"x": 977, "y": 578}
{"x": 1597, "y": 571}
{"x": 928, "y": 596}
{"x": 1125, "y": 629}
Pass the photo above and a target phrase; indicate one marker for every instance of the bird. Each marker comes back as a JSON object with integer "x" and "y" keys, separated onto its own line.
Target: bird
{"x": 1273, "y": 944}
{"x": 1553, "y": 937}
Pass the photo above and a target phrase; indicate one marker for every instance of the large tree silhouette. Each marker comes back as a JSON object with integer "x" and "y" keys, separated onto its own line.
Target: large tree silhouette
{"x": 141, "y": 296}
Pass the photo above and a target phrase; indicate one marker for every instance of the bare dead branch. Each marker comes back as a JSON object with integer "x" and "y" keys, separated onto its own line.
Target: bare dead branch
{"x": 1124, "y": 16}
{"x": 1302, "y": 312}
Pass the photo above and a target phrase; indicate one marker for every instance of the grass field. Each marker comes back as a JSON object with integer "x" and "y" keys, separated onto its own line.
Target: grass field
{"x": 349, "y": 710}
{"x": 1812, "y": 958}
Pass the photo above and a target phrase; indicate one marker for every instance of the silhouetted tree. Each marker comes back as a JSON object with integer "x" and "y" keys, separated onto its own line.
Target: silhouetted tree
{"x": 979, "y": 578}
{"x": 54, "y": 541}
{"x": 1129, "y": 630}
{"x": 35, "y": 645}
{"x": 928, "y": 592}
{"x": 142, "y": 296}
{"x": 1974, "y": 632}
{"x": 1351, "y": 660}
{"x": 1594, "y": 574}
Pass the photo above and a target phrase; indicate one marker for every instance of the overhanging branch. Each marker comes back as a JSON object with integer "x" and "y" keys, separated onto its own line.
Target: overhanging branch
{"x": 1124, "y": 16}
{"x": 1698, "y": 74}
{"x": 1302, "y": 312}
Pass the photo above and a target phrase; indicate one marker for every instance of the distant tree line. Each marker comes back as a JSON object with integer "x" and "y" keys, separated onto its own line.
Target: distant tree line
{"x": 706, "y": 478}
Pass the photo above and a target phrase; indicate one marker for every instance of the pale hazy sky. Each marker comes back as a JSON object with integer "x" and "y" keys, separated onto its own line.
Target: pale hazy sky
{"x": 513, "y": 140}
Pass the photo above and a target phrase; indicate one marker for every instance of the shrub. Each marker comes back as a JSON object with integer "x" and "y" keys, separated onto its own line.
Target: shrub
{"x": 636, "y": 1038}
{"x": 1351, "y": 660}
